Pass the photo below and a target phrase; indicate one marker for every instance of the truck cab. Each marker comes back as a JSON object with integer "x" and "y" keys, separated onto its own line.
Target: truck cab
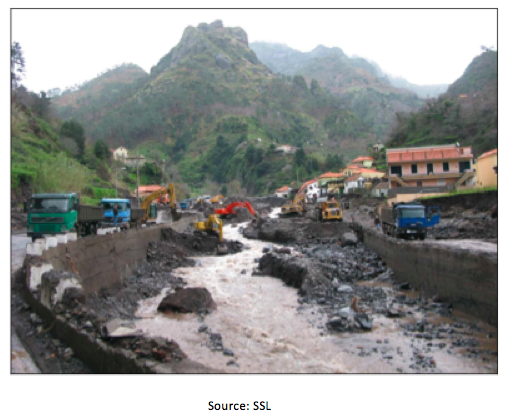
{"x": 124, "y": 212}
{"x": 409, "y": 220}
{"x": 50, "y": 214}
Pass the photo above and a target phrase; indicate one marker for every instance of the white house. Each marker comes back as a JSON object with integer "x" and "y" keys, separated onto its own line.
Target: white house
{"x": 353, "y": 183}
{"x": 121, "y": 153}
{"x": 283, "y": 192}
{"x": 311, "y": 189}
{"x": 286, "y": 148}
{"x": 380, "y": 190}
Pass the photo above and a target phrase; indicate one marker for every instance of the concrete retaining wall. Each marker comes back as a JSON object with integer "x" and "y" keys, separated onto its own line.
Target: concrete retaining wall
{"x": 467, "y": 279}
{"x": 104, "y": 260}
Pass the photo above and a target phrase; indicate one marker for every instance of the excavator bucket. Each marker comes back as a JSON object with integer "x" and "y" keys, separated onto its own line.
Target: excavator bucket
{"x": 175, "y": 215}
{"x": 222, "y": 249}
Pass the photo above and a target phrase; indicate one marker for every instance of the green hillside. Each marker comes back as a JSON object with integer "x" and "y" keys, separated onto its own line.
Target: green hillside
{"x": 467, "y": 113}
{"x": 358, "y": 85}
{"x": 210, "y": 102}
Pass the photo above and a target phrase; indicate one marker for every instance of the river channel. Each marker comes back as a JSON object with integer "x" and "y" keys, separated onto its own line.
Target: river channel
{"x": 262, "y": 322}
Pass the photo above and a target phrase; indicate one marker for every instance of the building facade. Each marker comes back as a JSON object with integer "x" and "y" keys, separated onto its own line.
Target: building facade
{"x": 434, "y": 166}
{"x": 363, "y": 161}
{"x": 283, "y": 192}
{"x": 121, "y": 154}
{"x": 487, "y": 169}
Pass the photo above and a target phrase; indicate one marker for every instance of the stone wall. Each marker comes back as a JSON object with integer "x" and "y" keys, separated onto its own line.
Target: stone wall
{"x": 467, "y": 279}
{"x": 104, "y": 260}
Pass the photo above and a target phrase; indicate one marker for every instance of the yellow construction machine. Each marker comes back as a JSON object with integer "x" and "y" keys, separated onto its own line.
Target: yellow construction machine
{"x": 295, "y": 207}
{"x": 328, "y": 210}
{"x": 149, "y": 204}
{"x": 217, "y": 199}
{"x": 213, "y": 226}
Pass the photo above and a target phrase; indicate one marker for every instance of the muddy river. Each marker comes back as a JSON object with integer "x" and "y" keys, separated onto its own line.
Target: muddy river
{"x": 268, "y": 331}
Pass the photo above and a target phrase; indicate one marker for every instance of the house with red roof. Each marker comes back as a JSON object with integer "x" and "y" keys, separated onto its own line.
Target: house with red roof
{"x": 145, "y": 190}
{"x": 363, "y": 161}
{"x": 432, "y": 166}
{"x": 283, "y": 192}
{"x": 332, "y": 182}
{"x": 311, "y": 189}
{"x": 486, "y": 166}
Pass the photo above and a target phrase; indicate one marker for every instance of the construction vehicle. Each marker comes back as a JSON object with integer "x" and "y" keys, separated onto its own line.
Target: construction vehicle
{"x": 149, "y": 204}
{"x": 126, "y": 215}
{"x": 218, "y": 199}
{"x": 229, "y": 211}
{"x": 203, "y": 199}
{"x": 328, "y": 210}
{"x": 408, "y": 220}
{"x": 212, "y": 226}
{"x": 50, "y": 214}
{"x": 296, "y": 207}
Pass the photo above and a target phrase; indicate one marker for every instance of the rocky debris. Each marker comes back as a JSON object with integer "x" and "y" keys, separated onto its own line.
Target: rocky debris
{"x": 158, "y": 348}
{"x": 349, "y": 239}
{"x": 167, "y": 255}
{"x": 190, "y": 299}
{"x": 73, "y": 296}
{"x": 298, "y": 231}
{"x": 467, "y": 226}
{"x": 200, "y": 244}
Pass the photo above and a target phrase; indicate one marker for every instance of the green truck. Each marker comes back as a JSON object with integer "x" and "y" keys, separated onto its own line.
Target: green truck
{"x": 50, "y": 214}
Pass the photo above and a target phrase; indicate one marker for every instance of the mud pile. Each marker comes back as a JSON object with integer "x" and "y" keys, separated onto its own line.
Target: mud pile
{"x": 200, "y": 244}
{"x": 296, "y": 230}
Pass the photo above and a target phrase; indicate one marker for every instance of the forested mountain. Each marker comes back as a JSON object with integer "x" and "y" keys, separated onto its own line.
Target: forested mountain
{"x": 359, "y": 85}
{"x": 467, "y": 113}
{"x": 214, "y": 111}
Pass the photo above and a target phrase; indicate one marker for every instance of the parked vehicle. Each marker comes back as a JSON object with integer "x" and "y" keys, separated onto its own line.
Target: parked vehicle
{"x": 50, "y": 214}
{"x": 408, "y": 220}
{"x": 328, "y": 210}
{"x": 127, "y": 216}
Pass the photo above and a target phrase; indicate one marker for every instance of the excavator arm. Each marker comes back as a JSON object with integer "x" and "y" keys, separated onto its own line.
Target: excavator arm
{"x": 157, "y": 194}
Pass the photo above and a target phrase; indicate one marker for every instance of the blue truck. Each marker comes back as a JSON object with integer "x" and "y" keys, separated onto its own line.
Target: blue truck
{"x": 127, "y": 216}
{"x": 409, "y": 220}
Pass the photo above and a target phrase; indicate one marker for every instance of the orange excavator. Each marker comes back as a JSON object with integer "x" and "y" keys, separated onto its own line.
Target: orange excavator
{"x": 230, "y": 209}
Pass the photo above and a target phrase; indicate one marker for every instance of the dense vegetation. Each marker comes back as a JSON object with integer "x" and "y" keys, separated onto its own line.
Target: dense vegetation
{"x": 213, "y": 113}
{"x": 467, "y": 113}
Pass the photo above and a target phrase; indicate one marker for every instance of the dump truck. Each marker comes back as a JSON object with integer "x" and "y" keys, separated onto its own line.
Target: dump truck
{"x": 127, "y": 216}
{"x": 408, "y": 220}
{"x": 328, "y": 210}
{"x": 50, "y": 214}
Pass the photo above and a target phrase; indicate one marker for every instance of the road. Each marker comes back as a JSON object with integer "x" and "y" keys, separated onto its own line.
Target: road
{"x": 21, "y": 362}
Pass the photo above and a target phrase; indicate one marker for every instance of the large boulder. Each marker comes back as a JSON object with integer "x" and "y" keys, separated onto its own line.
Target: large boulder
{"x": 222, "y": 61}
{"x": 190, "y": 299}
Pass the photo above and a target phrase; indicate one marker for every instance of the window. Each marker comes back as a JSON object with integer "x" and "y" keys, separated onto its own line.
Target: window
{"x": 49, "y": 205}
{"x": 411, "y": 213}
{"x": 414, "y": 168}
{"x": 446, "y": 166}
{"x": 396, "y": 170}
{"x": 430, "y": 168}
{"x": 464, "y": 166}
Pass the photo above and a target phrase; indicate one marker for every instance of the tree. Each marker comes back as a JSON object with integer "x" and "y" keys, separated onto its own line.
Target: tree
{"x": 75, "y": 131}
{"x": 314, "y": 86}
{"x": 17, "y": 64}
{"x": 224, "y": 190}
{"x": 101, "y": 150}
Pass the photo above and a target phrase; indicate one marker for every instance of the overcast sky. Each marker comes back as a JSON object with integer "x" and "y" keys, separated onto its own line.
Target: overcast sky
{"x": 65, "y": 47}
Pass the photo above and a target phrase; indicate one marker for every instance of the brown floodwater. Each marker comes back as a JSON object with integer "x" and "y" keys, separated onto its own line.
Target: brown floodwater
{"x": 261, "y": 321}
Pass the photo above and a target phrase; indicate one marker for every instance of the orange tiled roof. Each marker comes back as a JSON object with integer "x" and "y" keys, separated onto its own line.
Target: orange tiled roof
{"x": 352, "y": 167}
{"x": 422, "y": 154}
{"x": 331, "y": 175}
{"x": 361, "y": 159}
{"x": 307, "y": 183}
{"x": 285, "y": 188}
{"x": 149, "y": 188}
{"x": 352, "y": 178}
{"x": 491, "y": 152}
{"x": 369, "y": 171}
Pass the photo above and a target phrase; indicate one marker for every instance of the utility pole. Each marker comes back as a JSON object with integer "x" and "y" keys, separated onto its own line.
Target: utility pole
{"x": 116, "y": 178}
{"x": 138, "y": 201}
